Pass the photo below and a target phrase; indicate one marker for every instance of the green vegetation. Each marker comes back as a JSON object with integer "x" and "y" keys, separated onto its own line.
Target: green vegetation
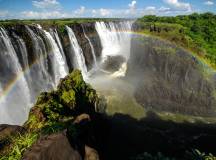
{"x": 196, "y": 32}
{"x": 53, "y": 112}
{"x": 53, "y": 22}
{"x": 20, "y": 144}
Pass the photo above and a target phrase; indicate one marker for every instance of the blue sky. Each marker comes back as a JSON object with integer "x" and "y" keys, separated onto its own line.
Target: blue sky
{"x": 28, "y": 9}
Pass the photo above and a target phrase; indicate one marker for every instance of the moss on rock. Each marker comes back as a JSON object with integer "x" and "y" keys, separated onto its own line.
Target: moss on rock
{"x": 55, "y": 111}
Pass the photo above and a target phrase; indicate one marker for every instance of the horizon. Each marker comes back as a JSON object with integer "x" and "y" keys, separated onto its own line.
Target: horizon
{"x": 63, "y": 9}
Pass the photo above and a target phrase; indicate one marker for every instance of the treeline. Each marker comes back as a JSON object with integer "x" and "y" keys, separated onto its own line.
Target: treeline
{"x": 196, "y": 31}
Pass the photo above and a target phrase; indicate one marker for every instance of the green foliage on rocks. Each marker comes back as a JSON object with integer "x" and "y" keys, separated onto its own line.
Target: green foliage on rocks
{"x": 53, "y": 112}
{"x": 20, "y": 144}
{"x": 196, "y": 32}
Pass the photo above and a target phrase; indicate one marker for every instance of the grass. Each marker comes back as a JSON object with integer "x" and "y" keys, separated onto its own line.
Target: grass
{"x": 195, "y": 32}
{"x": 20, "y": 144}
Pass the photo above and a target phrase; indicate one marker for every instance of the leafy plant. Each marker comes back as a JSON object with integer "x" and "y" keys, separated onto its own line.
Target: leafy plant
{"x": 19, "y": 145}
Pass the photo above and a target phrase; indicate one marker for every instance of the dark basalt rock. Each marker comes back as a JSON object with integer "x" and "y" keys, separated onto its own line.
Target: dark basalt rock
{"x": 113, "y": 63}
{"x": 79, "y": 29}
{"x": 55, "y": 147}
{"x": 170, "y": 79}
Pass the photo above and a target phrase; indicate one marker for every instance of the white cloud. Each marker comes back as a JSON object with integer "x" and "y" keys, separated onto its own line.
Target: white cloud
{"x": 80, "y": 11}
{"x": 43, "y": 15}
{"x": 4, "y": 14}
{"x": 150, "y": 10}
{"x": 104, "y": 12}
{"x": 46, "y": 4}
{"x": 164, "y": 9}
{"x": 179, "y": 5}
{"x": 209, "y": 3}
{"x": 132, "y": 5}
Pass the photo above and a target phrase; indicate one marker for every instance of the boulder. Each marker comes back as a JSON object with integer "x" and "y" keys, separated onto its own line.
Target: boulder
{"x": 52, "y": 147}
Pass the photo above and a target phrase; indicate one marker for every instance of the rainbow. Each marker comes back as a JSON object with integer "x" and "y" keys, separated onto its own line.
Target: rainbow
{"x": 6, "y": 89}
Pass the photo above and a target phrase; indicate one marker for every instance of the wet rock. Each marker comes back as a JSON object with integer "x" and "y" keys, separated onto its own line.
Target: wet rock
{"x": 168, "y": 78}
{"x": 53, "y": 147}
{"x": 113, "y": 63}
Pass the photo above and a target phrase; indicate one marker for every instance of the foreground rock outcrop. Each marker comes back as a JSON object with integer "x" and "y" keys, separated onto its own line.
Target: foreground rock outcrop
{"x": 60, "y": 125}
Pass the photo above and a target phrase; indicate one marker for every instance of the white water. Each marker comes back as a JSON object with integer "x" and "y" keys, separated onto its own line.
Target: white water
{"x": 43, "y": 78}
{"x": 45, "y": 64}
{"x": 14, "y": 106}
{"x": 22, "y": 48}
{"x": 80, "y": 59}
{"x": 59, "y": 65}
{"x": 121, "y": 72}
{"x": 55, "y": 35}
{"x": 115, "y": 38}
{"x": 92, "y": 48}
{"x": 116, "y": 41}
{"x": 23, "y": 89}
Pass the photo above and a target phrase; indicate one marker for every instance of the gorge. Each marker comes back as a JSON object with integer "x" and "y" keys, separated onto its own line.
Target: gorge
{"x": 34, "y": 60}
{"x": 148, "y": 91}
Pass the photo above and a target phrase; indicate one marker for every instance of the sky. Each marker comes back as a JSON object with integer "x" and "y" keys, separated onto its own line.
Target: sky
{"x": 47, "y": 9}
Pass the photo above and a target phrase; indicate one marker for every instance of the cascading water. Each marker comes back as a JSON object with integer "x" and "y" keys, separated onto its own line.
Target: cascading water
{"x": 92, "y": 48}
{"x": 116, "y": 41}
{"x": 115, "y": 38}
{"x": 22, "y": 48}
{"x": 47, "y": 62}
{"x": 59, "y": 65}
{"x": 57, "y": 39}
{"x": 80, "y": 59}
{"x": 39, "y": 71}
{"x": 17, "y": 102}
{"x": 37, "y": 62}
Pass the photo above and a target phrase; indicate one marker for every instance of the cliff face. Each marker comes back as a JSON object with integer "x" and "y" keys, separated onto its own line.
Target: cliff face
{"x": 170, "y": 79}
{"x": 80, "y": 30}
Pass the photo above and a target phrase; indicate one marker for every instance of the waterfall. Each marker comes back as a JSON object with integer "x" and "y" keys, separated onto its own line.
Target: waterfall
{"x": 18, "y": 90}
{"x": 115, "y": 38}
{"x": 17, "y": 102}
{"x": 92, "y": 48}
{"x": 39, "y": 71}
{"x": 55, "y": 35}
{"x": 59, "y": 65}
{"x": 35, "y": 63}
{"x": 23, "y": 50}
{"x": 116, "y": 41}
{"x": 24, "y": 57}
{"x": 80, "y": 60}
